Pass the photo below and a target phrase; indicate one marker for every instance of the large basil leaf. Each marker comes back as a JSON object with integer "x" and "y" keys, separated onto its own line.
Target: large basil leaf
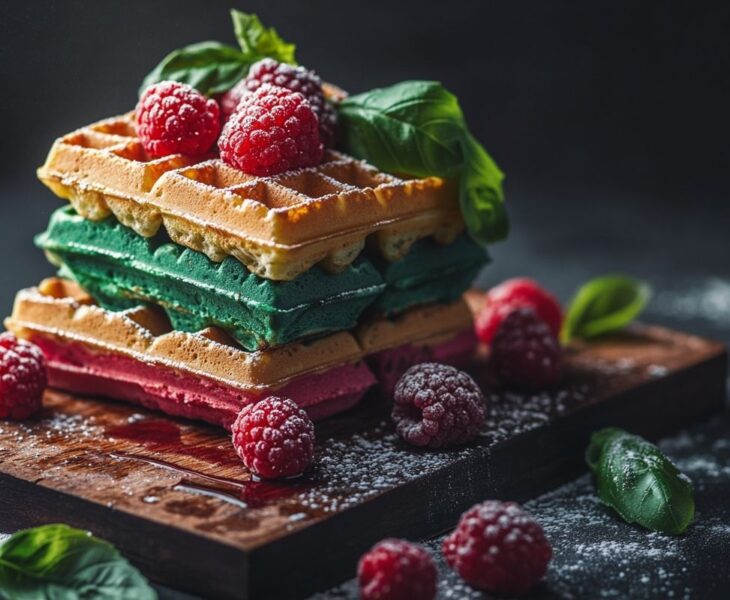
{"x": 417, "y": 128}
{"x": 61, "y": 563}
{"x": 481, "y": 196}
{"x": 214, "y": 68}
{"x": 259, "y": 42}
{"x": 210, "y": 67}
{"x": 639, "y": 482}
{"x": 604, "y": 304}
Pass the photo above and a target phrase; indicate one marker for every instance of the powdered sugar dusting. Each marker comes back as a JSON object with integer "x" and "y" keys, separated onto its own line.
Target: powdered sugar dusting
{"x": 56, "y": 425}
{"x": 597, "y": 555}
{"x": 351, "y": 470}
{"x": 707, "y": 300}
{"x": 512, "y": 414}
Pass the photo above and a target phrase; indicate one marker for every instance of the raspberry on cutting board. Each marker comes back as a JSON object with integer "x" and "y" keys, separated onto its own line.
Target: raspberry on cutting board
{"x": 23, "y": 378}
{"x": 274, "y": 438}
{"x": 510, "y": 295}
{"x": 397, "y": 570}
{"x": 272, "y": 131}
{"x": 525, "y": 352}
{"x": 175, "y": 118}
{"x": 437, "y": 405}
{"x": 498, "y": 547}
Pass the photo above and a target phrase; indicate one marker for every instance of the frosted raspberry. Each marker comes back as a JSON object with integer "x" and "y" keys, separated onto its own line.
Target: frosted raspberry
{"x": 397, "y": 570}
{"x": 437, "y": 405}
{"x": 327, "y": 123}
{"x": 274, "y": 438}
{"x": 512, "y": 294}
{"x": 525, "y": 352}
{"x": 498, "y": 547}
{"x": 273, "y": 130}
{"x": 295, "y": 79}
{"x": 176, "y": 118}
{"x": 23, "y": 378}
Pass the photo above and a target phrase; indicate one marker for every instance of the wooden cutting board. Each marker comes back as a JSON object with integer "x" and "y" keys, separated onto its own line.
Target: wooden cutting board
{"x": 174, "y": 498}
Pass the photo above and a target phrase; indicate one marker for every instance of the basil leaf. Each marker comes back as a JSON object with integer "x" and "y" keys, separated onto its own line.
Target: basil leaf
{"x": 417, "y": 128}
{"x": 604, "y": 304}
{"x": 56, "y": 561}
{"x": 259, "y": 42}
{"x": 639, "y": 482}
{"x": 210, "y": 67}
{"x": 480, "y": 195}
{"x": 213, "y": 68}
{"x": 412, "y": 127}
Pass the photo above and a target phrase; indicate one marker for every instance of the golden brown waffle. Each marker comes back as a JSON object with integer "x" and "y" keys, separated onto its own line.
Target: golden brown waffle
{"x": 61, "y": 309}
{"x": 424, "y": 326}
{"x": 278, "y": 226}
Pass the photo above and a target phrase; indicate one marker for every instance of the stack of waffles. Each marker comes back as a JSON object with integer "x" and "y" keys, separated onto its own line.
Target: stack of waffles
{"x": 190, "y": 287}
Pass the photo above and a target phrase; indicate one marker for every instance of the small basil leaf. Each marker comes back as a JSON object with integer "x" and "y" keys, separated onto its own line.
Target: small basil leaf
{"x": 56, "y": 561}
{"x": 639, "y": 482}
{"x": 417, "y": 128}
{"x": 210, "y": 67}
{"x": 259, "y": 42}
{"x": 603, "y": 305}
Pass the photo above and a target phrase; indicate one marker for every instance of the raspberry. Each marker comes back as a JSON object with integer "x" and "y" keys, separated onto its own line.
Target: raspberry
{"x": 525, "y": 352}
{"x": 498, "y": 547}
{"x": 295, "y": 79}
{"x": 327, "y": 123}
{"x": 231, "y": 99}
{"x": 273, "y": 130}
{"x": 437, "y": 405}
{"x": 397, "y": 570}
{"x": 23, "y": 378}
{"x": 489, "y": 319}
{"x": 514, "y": 293}
{"x": 176, "y": 118}
{"x": 274, "y": 438}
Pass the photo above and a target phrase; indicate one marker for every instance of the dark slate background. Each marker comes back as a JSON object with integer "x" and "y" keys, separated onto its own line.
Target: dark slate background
{"x": 610, "y": 120}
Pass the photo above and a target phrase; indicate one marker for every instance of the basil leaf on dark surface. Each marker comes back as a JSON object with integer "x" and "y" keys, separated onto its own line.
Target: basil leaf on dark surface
{"x": 214, "y": 68}
{"x": 59, "y": 562}
{"x": 417, "y": 128}
{"x": 259, "y": 42}
{"x": 604, "y": 304}
{"x": 639, "y": 482}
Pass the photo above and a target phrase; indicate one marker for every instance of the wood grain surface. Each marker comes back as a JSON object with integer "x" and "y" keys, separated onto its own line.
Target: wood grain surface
{"x": 173, "y": 496}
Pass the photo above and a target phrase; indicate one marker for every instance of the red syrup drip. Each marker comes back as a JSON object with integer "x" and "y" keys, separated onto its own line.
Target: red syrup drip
{"x": 163, "y": 464}
{"x": 251, "y": 494}
{"x": 246, "y": 493}
{"x": 165, "y": 436}
{"x": 150, "y": 432}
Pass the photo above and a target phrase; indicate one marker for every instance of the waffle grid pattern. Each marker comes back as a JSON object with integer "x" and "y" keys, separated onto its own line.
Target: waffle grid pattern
{"x": 279, "y": 227}
{"x": 60, "y": 308}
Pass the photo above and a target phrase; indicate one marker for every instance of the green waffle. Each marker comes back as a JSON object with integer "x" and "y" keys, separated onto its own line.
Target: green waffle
{"x": 429, "y": 273}
{"x": 120, "y": 269}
